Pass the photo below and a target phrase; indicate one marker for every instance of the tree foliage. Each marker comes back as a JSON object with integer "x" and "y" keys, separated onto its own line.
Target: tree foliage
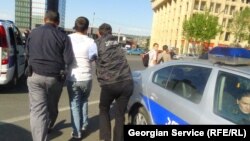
{"x": 201, "y": 27}
{"x": 240, "y": 26}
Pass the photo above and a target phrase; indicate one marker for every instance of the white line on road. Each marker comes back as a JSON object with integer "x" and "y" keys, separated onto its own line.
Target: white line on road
{"x": 20, "y": 118}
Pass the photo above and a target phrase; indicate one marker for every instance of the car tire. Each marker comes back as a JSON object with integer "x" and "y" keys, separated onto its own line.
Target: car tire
{"x": 139, "y": 116}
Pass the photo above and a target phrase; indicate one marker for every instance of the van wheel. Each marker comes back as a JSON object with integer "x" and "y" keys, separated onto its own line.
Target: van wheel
{"x": 139, "y": 116}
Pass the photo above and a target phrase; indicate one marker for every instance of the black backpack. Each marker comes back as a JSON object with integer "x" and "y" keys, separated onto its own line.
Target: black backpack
{"x": 145, "y": 59}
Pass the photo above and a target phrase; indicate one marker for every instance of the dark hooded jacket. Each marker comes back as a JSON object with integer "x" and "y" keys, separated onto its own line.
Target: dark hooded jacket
{"x": 111, "y": 64}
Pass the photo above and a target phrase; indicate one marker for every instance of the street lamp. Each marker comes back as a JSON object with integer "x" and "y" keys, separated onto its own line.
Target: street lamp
{"x": 92, "y": 28}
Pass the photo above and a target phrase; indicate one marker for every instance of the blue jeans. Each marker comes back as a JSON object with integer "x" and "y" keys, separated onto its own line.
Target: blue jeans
{"x": 79, "y": 92}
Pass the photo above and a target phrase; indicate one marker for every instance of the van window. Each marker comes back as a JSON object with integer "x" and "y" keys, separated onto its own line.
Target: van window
{"x": 12, "y": 37}
{"x": 18, "y": 36}
{"x": 232, "y": 98}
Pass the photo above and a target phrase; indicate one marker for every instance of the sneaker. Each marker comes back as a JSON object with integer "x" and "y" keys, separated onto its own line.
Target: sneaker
{"x": 84, "y": 128}
{"x": 75, "y": 136}
{"x": 49, "y": 130}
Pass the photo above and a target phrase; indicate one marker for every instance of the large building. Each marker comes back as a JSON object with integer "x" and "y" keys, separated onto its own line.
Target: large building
{"x": 30, "y": 13}
{"x": 169, "y": 16}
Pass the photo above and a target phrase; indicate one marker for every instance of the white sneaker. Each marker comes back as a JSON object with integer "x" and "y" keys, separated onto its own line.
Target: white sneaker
{"x": 84, "y": 128}
{"x": 73, "y": 135}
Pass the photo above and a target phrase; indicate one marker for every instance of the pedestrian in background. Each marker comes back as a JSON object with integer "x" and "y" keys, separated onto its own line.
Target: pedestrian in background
{"x": 153, "y": 55}
{"x": 115, "y": 78}
{"x": 79, "y": 80}
{"x": 48, "y": 52}
{"x": 164, "y": 56}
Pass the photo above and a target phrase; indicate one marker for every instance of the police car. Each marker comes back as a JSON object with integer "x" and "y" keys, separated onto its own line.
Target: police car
{"x": 196, "y": 91}
{"x": 12, "y": 53}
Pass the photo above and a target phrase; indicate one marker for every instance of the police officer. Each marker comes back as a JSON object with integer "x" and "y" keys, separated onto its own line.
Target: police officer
{"x": 48, "y": 51}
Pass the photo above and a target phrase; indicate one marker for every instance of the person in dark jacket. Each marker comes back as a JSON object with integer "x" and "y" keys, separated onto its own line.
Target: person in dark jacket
{"x": 48, "y": 52}
{"x": 239, "y": 110}
{"x": 115, "y": 79}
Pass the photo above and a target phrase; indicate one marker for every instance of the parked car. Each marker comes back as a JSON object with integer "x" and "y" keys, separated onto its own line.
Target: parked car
{"x": 186, "y": 56}
{"x": 135, "y": 51}
{"x": 192, "y": 91}
{"x": 12, "y": 53}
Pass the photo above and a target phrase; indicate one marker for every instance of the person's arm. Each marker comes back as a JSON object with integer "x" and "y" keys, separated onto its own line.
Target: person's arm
{"x": 155, "y": 58}
{"x": 160, "y": 58}
{"x": 68, "y": 54}
{"x": 93, "y": 52}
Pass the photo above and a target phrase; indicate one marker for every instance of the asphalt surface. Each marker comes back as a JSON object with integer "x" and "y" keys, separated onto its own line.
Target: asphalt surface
{"x": 14, "y": 112}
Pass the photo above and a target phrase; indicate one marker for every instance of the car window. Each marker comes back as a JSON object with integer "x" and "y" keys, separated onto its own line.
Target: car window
{"x": 184, "y": 80}
{"x": 189, "y": 81}
{"x": 230, "y": 89}
{"x": 161, "y": 76}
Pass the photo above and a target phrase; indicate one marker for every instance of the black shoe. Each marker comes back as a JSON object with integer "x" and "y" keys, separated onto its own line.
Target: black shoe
{"x": 50, "y": 130}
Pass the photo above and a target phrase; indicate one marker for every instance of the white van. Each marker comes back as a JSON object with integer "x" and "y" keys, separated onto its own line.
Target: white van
{"x": 12, "y": 53}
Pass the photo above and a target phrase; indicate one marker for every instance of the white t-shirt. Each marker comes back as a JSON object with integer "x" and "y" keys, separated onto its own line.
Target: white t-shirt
{"x": 152, "y": 57}
{"x": 84, "y": 48}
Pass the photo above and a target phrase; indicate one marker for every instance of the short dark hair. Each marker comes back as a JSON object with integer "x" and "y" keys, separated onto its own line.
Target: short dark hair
{"x": 105, "y": 29}
{"x": 81, "y": 24}
{"x": 53, "y": 16}
{"x": 155, "y": 44}
{"x": 165, "y": 47}
{"x": 242, "y": 94}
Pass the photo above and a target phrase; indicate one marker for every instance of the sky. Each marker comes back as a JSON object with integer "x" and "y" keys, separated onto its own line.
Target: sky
{"x": 125, "y": 16}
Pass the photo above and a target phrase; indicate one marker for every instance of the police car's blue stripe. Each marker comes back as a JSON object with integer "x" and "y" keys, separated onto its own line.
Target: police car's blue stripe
{"x": 160, "y": 115}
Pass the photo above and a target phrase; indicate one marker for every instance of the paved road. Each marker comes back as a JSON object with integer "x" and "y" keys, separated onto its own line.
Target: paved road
{"x": 14, "y": 112}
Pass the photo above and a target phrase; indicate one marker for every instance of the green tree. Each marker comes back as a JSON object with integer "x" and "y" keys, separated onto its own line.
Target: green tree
{"x": 240, "y": 25}
{"x": 248, "y": 37}
{"x": 201, "y": 27}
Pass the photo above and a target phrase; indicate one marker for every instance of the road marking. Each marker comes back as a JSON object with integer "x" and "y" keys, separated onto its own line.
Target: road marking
{"x": 26, "y": 117}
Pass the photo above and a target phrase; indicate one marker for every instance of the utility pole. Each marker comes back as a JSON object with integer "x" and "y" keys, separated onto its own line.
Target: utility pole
{"x": 92, "y": 28}
{"x": 119, "y": 35}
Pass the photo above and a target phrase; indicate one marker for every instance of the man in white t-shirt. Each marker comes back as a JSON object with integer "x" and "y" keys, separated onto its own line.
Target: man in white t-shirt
{"x": 79, "y": 80}
{"x": 153, "y": 55}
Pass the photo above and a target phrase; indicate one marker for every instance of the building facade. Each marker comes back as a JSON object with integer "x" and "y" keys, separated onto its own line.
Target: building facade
{"x": 30, "y": 13}
{"x": 169, "y": 15}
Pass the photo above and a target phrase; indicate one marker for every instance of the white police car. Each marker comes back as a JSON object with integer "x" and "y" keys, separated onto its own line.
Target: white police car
{"x": 12, "y": 53}
{"x": 194, "y": 91}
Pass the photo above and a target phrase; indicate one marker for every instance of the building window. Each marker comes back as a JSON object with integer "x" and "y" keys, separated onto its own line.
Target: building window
{"x": 232, "y": 10}
{"x": 226, "y": 9}
{"x": 227, "y": 36}
{"x": 217, "y": 8}
{"x": 203, "y": 6}
{"x": 229, "y": 23}
{"x": 196, "y": 5}
{"x": 224, "y": 22}
{"x": 211, "y": 7}
{"x": 221, "y": 35}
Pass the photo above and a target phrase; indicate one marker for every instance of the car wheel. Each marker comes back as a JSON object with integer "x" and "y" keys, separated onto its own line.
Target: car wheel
{"x": 140, "y": 116}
